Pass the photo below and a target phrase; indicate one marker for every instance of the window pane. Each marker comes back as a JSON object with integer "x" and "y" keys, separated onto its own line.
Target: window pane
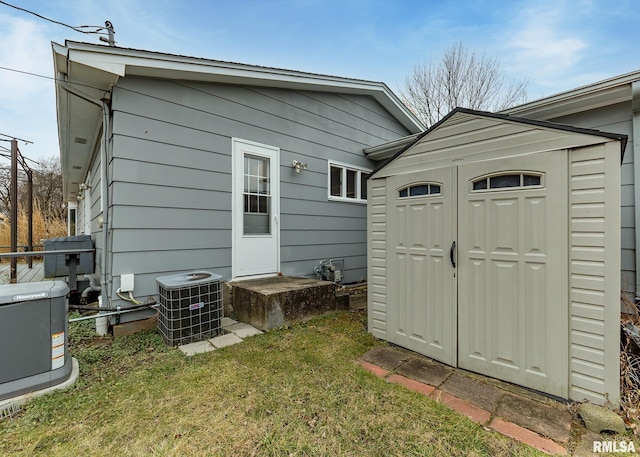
{"x": 336, "y": 181}
{"x": 262, "y": 205}
{"x": 254, "y": 166}
{"x": 264, "y": 185}
{"x": 499, "y": 182}
{"x": 363, "y": 187}
{"x": 351, "y": 184}
{"x": 253, "y": 184}
{"x": 435, "y": 189}
{"x": 403, "y": 192}
{"x": 480, "y": 185}
{"x": 253, "y": 203}
{"x": 419, "y": 190}
{"x": 531, "y": 180}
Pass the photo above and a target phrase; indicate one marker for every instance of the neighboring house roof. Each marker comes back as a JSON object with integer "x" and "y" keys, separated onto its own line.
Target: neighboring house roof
{"x": 603, "y": 93}
{"x": 94, "y": 69}
{"x": 608, "y": 92}
{"x": 460, "y": 115}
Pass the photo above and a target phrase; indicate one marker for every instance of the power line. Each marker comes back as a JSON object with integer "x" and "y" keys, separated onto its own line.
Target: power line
{"x": 77, "y": 29}
{"x": 15, "y": 138}
{"x": 51, "y": 78}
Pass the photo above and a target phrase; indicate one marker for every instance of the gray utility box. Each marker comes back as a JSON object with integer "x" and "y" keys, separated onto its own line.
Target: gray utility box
{"x": 190, "y": 306}
{"x": 33, "y": 337}
{"x": 55, "y": 265}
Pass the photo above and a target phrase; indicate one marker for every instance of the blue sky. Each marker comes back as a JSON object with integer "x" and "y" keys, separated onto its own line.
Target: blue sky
{"x": 556, "y": 45}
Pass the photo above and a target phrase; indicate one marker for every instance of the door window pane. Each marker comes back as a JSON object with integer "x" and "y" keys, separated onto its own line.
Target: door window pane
{"x": 531, "y": 180}
{"x": 422, "y": 189}
{"x": 498, "y": 182}
{"x": 257, "y": 211}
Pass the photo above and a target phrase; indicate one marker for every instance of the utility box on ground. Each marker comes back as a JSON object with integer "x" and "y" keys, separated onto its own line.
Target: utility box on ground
{"x": 33, "y": 337}
{"x": 190, "y": 306}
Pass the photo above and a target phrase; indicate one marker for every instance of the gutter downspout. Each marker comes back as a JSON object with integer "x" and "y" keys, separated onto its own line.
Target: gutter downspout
{"x": 104, "y": 188}
{"x": 635, "y": 107}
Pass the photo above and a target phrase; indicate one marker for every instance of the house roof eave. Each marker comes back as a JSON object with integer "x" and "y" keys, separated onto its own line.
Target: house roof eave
{"x": 134, "y": 62}
{"x": 603, "y": 93}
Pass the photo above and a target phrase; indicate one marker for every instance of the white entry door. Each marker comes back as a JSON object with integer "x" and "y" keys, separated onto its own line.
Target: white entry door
{"x": 256, "y": 209}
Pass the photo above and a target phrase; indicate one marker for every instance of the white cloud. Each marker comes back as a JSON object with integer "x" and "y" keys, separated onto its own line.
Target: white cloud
{"x": 542, "y": 45}
{"x": 27, "y": 106}
{"x": 26, "y": 48}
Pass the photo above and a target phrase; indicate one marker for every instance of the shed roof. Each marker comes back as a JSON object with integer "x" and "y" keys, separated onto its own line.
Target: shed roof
{"x": 464, "y": 115}
{"x": 94, "y": 69}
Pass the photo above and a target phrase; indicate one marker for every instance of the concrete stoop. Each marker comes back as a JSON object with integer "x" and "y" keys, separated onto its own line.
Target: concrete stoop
{"x": 525, "y": 416}
{"x": 274, "y": 302}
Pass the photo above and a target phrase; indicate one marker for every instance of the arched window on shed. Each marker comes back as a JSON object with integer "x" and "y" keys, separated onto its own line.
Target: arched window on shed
{"x": 509, "y": 180}
{"x": 424, "y": 189}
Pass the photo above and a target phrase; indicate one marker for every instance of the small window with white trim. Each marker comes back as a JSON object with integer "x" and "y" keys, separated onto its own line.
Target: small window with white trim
{"x": 508, "y": 180}
{"x": 424, "y": 189}
{"x": 347, "y": 182}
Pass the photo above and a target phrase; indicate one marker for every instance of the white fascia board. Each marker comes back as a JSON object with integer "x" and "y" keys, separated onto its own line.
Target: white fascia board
{"x": 106, "y": 63}
{"x": 132, "y": 62}
{"x": 585, "y": 96}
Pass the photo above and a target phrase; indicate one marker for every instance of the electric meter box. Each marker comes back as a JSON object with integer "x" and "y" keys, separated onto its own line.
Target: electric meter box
{"x": 34, "y": 353}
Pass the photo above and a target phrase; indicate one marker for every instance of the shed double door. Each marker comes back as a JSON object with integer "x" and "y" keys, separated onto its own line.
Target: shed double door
{"x": 477, "y": 268}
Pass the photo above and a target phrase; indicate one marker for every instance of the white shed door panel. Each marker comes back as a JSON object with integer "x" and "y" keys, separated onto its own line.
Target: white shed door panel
{"x": 512, "y": 305}
{"x": 420, "y": 235}
{"x": 502, "y": 310}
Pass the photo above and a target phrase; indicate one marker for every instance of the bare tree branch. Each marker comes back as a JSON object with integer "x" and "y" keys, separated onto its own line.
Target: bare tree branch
{"x": 460, "y": 79}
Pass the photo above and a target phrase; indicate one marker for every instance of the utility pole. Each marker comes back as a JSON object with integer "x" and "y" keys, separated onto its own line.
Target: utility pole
{"x": 14, "y": 208}
{"x": 29, "y": 216}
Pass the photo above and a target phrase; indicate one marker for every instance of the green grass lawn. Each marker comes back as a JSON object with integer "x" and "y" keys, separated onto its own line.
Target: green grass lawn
{"x": 295, "y": 391}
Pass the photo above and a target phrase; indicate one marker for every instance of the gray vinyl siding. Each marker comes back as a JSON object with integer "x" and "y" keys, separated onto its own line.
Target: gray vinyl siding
{"x": 171, "y": 174}
{"x": 617, "y": 119}
{"x": 93, "y": 193}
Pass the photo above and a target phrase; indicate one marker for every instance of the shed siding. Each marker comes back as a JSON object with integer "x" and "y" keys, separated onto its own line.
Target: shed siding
{"x": 594, "y": 254}
{"x": 171, "y": 172}
{"x": 377, "y": 248}
{"x": 617, "y": 118}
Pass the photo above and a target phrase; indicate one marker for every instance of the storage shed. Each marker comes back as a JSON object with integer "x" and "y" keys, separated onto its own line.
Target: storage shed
{"x": 494, "y": 246}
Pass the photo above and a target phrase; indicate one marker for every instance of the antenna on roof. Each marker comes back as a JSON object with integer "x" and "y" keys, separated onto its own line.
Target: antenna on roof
{"x": 111, "y": 40}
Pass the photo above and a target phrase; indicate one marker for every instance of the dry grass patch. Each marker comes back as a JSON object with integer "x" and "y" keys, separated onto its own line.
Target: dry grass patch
{"x": 296, "y": 391}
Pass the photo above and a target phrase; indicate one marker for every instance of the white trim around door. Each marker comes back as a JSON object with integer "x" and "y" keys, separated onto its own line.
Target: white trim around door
{"x": 255, "y": 209}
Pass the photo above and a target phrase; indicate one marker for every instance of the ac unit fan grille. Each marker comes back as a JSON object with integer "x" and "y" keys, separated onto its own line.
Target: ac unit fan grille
{"x": 190, "y": 313}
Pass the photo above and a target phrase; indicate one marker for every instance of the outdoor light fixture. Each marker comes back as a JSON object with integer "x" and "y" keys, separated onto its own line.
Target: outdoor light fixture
{"x": 299, "y": 166}
{"x": 84, "y": 186}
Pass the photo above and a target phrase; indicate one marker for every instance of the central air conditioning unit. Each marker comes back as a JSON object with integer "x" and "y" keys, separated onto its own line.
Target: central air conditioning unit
{"x": 190, "y": 306}
{"x": 33, "y": 337}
